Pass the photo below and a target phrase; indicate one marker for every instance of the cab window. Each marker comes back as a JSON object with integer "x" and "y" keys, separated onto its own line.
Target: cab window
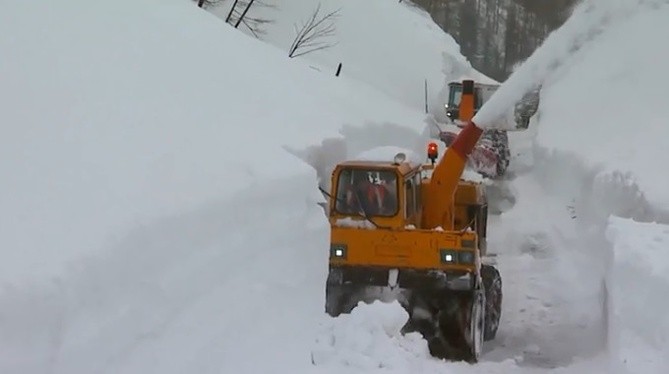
{"x": 454, "y": 95}
{"x": 368, "y": 191}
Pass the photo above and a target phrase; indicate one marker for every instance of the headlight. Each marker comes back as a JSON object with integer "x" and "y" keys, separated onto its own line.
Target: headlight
{"x": 452, "y": 256}
{"x": 338, "y": 251}
{"x": 448, "y": 256}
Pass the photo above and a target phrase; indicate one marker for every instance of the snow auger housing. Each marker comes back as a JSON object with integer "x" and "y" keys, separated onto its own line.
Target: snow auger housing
{"x": 416, "y": 233}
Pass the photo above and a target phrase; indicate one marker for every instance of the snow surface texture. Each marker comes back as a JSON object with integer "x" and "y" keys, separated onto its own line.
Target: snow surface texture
{"x": 389, "y": 45}
{"x": 110, "y": 129}
{"x": 638, "y": 322}
{"x": 150, "y": 208}
{"x": 154, "y": 222}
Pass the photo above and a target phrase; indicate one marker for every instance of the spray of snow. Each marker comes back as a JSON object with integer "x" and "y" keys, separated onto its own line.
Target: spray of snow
{"x": 588, "y": 21}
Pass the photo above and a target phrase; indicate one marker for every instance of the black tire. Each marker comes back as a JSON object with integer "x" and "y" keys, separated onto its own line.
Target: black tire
{"x": 339, "y": 299}
{"x": 460, "y": 328}
{"x": 492, "y": 284}
{"x": 476, "y": 331}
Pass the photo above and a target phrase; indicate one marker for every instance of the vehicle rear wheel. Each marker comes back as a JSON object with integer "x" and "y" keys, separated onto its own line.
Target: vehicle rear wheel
{"x": 492, "y": 284}
{"x": 339, "y": 299}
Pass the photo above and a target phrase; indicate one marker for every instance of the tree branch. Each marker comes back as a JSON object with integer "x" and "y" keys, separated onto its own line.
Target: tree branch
{"x": 310, "y": 37}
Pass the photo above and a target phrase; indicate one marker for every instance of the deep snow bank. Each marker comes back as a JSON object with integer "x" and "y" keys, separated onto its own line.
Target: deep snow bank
{"x": 638, "y": 283}
{"x": 607, "y": 107}
{"x": 108, "y": 125}
{"x": 600, "y": 146}
{"x": 552, "y": 281}
{"x": 195, "y": 292}
{"x": 592, "y": 152}
{"x": 391, "y": 46}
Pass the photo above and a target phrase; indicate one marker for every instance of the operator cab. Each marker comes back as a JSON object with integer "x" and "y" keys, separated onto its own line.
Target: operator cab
{"x": 482, "y": 92}
{"x": 388, "y": 193}
{"x": 370, "y": 190}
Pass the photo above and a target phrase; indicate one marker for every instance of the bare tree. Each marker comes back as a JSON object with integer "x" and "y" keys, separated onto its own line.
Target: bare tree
{"x": 239, "y": 15}
{"x": 314, "y": 33}
{"x": 207, "y": 3}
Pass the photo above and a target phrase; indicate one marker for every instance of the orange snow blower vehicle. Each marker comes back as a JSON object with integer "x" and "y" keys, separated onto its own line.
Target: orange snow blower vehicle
{"x": 416, "y": 233}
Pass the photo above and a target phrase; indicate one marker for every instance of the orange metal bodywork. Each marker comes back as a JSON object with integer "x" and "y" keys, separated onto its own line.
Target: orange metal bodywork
{"x": 413, "y": 249}
{"x": 467, "y": 104}
{"x": 447, "y": 216}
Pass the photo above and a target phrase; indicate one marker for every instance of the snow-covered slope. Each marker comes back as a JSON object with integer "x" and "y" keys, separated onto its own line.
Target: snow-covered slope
{"x": 152, "y": 219}
{"x": 158, "y": 214}
{"x": 393, "y": 46}
{"x": 125, "y": 123}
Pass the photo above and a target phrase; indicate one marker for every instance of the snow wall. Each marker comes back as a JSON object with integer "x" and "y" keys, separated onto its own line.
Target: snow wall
{"x": 638, "y": 281}
{"x": 597, "y": 146}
